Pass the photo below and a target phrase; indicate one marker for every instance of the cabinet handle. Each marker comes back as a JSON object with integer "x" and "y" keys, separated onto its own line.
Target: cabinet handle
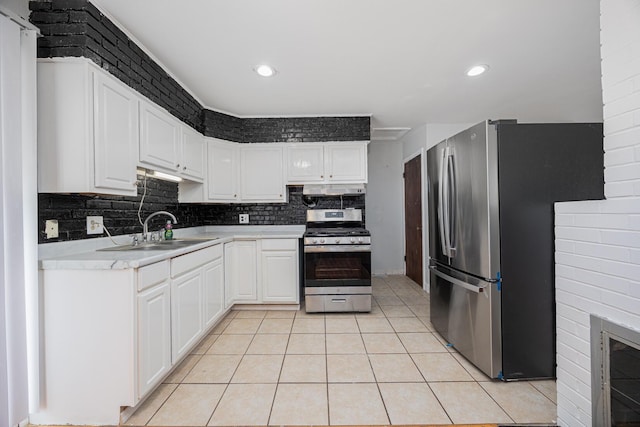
{"x": 235, "y": 195}
{"x": 321, "y": 176}
{"x": 184, "y": 168}
{"x": 178, "y": 166}
{"x": 281, "y": 195}
{"x": 330, "y": 176}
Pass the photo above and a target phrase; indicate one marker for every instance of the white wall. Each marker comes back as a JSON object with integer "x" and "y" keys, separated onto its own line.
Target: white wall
{"x": 18, "y": 7}
{"x": 598, "y": 243}
{"x": 384, "y": 207}
{"x": 18, "y": 202}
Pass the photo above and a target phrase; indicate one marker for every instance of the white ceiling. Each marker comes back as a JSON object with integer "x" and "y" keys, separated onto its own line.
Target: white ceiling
{"x": 402, "y": 61}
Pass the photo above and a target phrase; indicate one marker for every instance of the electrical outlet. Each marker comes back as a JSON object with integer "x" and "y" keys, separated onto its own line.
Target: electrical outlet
{"x": 51, "y": 228}
{"x": 244, "y": 218}
{"x": 95, "y": 225}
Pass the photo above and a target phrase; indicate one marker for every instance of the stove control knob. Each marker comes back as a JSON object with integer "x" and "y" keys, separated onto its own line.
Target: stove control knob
{"x": 314, "y": 241}
{"x": 321, "y": 240}
{"x": 353, "y": 240}
{"x": 337, "y": 240}
{"x": 360, "y": 239}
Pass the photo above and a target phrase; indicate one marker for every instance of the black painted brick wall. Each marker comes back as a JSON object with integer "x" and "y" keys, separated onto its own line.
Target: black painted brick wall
{"x": 78, "y": 28}
{"x": 291, "y": 213}
{"x": 224, "y": 126}
{"x": 286, "y": 129}
{"x": 306, "y": 129}
{"x": 121, "y": 213}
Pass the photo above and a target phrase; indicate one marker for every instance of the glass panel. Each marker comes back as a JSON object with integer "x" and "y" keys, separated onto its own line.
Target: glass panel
{"x": 625, "y": 384}
{"x": 338, "y": 269}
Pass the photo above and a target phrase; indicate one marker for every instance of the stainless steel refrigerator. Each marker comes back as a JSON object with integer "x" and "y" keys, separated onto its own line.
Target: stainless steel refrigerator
{"x": 491, "y": 190}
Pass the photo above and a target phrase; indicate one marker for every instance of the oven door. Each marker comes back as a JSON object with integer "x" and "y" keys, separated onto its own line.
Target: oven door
{"x": 337, "y": 266}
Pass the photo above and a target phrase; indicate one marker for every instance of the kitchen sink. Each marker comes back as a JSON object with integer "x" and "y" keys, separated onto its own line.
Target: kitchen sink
{"x": 162, "y": 245}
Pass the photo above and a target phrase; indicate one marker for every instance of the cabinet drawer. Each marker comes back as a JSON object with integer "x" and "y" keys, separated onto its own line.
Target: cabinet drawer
{"x": 184, "y": 263}
{"x": 279, "y": 244}
{"x": 153, "y": 274}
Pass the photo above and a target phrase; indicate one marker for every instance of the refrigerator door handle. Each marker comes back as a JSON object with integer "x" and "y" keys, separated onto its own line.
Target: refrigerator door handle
{"x": 458, "y": 282}
{"x": 452, "y": 198}
{"x": 442, "y": 204}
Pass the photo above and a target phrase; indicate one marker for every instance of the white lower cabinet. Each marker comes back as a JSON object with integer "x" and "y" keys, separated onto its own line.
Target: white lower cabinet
{"x": 154, "y": 336}
{"x": 186, "y": 313}
{"x": 213, "y": 288}
{"x": 262, "y": 271}
{"x": 279, "y": 268}
{"x": 192, "y": 284}
{"x": 241, "y": 276}
{"x": 113, "y": 335}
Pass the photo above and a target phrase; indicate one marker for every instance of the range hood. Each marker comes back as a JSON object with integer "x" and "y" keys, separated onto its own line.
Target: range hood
{"x": 334, "y": 190}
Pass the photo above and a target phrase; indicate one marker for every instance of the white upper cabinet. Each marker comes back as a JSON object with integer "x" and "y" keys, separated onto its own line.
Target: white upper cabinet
{"x": 168, "y": 145}
{"x": 346, "y": 162}
{"x": 305, "y": 163}
{"x": 87, "y": 130}
{"x": 223, "y": 160}
{"x": 192, "y": 154}
{"x": 159, "y": 138}
{"x": 262, "y": 177}
{"x": 327, "y": 162}
{"x": 116, "y": 134}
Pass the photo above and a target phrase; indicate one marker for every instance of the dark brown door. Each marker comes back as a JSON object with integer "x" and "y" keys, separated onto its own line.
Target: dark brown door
{"x": 413, "y": 218}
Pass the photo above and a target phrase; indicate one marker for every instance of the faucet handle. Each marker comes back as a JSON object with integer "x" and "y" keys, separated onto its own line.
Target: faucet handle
{"x": 134, "y": 240}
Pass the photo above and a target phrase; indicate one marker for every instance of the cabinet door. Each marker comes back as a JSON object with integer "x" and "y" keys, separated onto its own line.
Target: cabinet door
{"x": 154, "y": 336}
{"x": 159, "y": 138}
{"x": 186, "y": 312}
{"x": 115, "y": 135}
{"x": 213, "y": 288}
{"x": 192, "y": 157}
{"x": 262, "y": 173}
{"x": 305, "y": 163}
{"x": 241, "y": 271}
{"x": 279, "y": 276}
{"x": 222, "y": 171}
{"x": 346, "y": 162}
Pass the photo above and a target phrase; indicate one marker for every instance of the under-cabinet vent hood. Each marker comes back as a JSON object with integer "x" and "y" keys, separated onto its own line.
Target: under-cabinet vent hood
{"x": 334, "y": 190}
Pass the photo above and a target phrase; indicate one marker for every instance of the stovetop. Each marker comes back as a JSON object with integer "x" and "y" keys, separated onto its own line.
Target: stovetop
{"x": 336, "y": 231}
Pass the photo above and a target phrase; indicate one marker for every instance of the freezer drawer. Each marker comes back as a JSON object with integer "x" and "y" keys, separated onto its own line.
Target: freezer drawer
{"x": 466, "y": 311}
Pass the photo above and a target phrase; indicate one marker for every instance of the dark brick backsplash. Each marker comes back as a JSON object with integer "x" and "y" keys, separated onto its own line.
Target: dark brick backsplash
{"x": 121, "y": 213}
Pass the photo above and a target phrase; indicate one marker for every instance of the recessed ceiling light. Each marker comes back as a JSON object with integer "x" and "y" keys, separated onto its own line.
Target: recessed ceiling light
{"x": 476, "y": 70}
{"x": 265, "y": 70}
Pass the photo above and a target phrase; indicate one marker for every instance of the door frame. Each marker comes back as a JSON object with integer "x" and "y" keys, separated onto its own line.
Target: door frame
{"x": 425, "y": 247}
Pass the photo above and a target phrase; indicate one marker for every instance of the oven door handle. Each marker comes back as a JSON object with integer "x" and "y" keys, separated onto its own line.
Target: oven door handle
{"x": 337, "y": 248}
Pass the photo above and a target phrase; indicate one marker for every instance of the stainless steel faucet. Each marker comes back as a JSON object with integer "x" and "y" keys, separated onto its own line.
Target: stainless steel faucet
{"x": 145, "y": 226}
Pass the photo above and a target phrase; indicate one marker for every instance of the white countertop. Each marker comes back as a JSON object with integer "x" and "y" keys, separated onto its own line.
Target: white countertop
{"x": 83, "y": 254}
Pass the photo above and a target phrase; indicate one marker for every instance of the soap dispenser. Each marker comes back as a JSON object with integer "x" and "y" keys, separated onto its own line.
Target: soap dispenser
{"x": 168, "y": 232}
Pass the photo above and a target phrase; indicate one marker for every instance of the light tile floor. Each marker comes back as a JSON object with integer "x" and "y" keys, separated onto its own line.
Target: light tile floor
{"x": 385, "y": 367}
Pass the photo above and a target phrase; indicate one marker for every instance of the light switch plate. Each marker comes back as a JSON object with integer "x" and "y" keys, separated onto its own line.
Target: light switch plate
{"x": 244, "y": 218}
{"x": 51, "y": 228}
{"x": 95, "y": 225}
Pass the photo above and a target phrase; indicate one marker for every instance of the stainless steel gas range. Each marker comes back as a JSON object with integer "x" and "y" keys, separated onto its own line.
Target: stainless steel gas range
{"x": 337, "y": 262}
